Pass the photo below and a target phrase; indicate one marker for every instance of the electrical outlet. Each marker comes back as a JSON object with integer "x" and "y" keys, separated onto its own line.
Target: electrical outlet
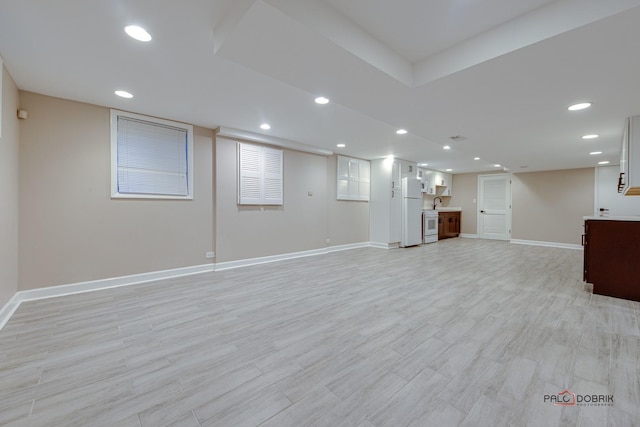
{"x": 210, "y": 254}
{"x": 328, "y": 240}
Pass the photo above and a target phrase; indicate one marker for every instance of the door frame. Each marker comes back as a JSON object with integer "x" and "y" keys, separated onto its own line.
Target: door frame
{"x": 509, "y": 209}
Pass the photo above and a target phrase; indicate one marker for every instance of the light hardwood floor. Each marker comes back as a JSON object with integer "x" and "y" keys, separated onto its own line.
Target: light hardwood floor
{"x": 459, "y": 333}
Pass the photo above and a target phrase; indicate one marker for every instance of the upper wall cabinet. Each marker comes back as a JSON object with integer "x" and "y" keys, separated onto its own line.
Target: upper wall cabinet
{"x": 435, "y": 183}
{"x": 426, "y": 176}
{"x": 629, "y": 181}
{"x": 354, "y": 179}
{"x": 443, "y": 184}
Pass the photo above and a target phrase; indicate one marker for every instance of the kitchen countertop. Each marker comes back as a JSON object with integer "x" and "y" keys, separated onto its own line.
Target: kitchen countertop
{"x": 612, "y": 218}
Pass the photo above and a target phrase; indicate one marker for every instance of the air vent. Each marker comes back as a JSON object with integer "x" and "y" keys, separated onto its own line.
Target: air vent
{"x": 457, "y": 138}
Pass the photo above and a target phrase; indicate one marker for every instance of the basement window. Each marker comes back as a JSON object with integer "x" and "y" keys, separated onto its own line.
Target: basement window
{"x": 354, "y": 177}
{"x": 150, "y": 158}
{"x": 260, "y": 175}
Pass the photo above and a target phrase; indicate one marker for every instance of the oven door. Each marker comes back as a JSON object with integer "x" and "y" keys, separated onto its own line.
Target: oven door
{"x": 430, "y": 225}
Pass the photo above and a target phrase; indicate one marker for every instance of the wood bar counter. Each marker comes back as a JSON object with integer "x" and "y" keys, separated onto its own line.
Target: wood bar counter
{"x": 612, "y": 256}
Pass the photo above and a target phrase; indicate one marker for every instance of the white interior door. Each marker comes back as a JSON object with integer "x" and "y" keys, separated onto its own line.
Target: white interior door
{"x": 494, "y": 207}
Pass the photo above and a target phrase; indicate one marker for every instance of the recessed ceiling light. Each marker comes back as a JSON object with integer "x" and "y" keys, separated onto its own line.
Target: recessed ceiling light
{"x": 604, "y": 162}
{"x": 591, "y": 136}
{"x": 423, "y": 164}
{"x": 448, "y": 170}
{"x": 401, "y": 131}
{"x": 580, "y": 106}
{"x": 322, "y": 100}
{"x": 123, "y": 94}
{"x": 476, "y": 158}
{"x": 497, "y": 166}
{"x": 593, "y": 153}
{"x": 446, "y": 147}
{"x": 265, "y": 126}
{"x": 341, "y": 145}
{"x": 137, "y": 33}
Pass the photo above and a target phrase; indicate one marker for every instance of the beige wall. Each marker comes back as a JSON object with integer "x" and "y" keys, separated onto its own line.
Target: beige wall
{"x": 348, "y": 221}
{"x": 72, "y": 231}
{"x": 549, "y": 206}
{"x": 70, "y": 228}
{"x": 244, "y": 232}
{"x": 9, "y": 189}
{"x": 464, "y": 192}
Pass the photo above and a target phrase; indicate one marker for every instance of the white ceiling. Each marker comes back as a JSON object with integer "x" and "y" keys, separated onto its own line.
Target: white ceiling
{"x": 498, "y": 72}
{"x": 429, "y": 26}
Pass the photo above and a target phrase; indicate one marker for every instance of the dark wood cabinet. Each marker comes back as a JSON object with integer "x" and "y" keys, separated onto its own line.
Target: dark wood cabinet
{"x": 448, "y": 224}
{"x": 611, "y": 257}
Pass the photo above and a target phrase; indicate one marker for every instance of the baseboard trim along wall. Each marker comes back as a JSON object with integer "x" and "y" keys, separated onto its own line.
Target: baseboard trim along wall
{"x": 384, "y": 245}
{"x": 547, "y": 244}
{"x": 468, "y": 236}
{"x": 220, "y": 266}
{"x": 7, "y": 311}
{"x": 349, "y": 246}
{"x": 57, "y": 291}
{"x": 94, "y": 285}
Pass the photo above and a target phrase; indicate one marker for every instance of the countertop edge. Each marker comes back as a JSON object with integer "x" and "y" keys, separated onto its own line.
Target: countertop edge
{"x": 611, "y": 218}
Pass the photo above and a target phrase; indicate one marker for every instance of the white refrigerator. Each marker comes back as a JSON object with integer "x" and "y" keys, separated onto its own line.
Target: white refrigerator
{"x": 411, "y": 212}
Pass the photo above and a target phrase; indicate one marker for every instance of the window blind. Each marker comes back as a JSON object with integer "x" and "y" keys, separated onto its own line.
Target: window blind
{"x": 151, "y": 158}
{"x": 260, "y": 175}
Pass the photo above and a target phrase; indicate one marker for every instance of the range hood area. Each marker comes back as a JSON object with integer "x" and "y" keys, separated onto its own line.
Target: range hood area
{"x": 629, "y": 180}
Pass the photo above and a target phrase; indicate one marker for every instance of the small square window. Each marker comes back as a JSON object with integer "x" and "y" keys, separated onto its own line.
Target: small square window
{"x": 150, "y": 158}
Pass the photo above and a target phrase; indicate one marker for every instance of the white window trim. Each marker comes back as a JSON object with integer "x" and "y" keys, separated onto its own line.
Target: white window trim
{"x": 114, "y": 156}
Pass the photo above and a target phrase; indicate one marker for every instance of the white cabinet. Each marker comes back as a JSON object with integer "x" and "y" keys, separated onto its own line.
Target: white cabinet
{"x": 385, "y": 203}
{"x": 629, "y": 182}
{"x": 443, "y": 184}
{"x": 436, "y": 183}
{"x": 426, "y": 176}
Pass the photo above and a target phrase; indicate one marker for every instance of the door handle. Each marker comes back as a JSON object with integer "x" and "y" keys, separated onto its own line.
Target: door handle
{"x": 482, "y": 211}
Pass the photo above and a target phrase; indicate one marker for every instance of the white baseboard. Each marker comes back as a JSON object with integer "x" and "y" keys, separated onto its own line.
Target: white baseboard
{"x": 56, "y": 291}
{"x": 267, "y": 259}
{"x": 7, "y": 311}
{"x": 469, "y": 236}
{"x": 282, "y": 257}
{"x": 384, "y": 245}
{"x": 547, "y": 244}
{"x": 347, "y": 247}
{"x": 75, "y": 288}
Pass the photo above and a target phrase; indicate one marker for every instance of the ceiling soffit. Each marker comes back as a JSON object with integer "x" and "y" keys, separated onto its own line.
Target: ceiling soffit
{"x": 319, "y": 16}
